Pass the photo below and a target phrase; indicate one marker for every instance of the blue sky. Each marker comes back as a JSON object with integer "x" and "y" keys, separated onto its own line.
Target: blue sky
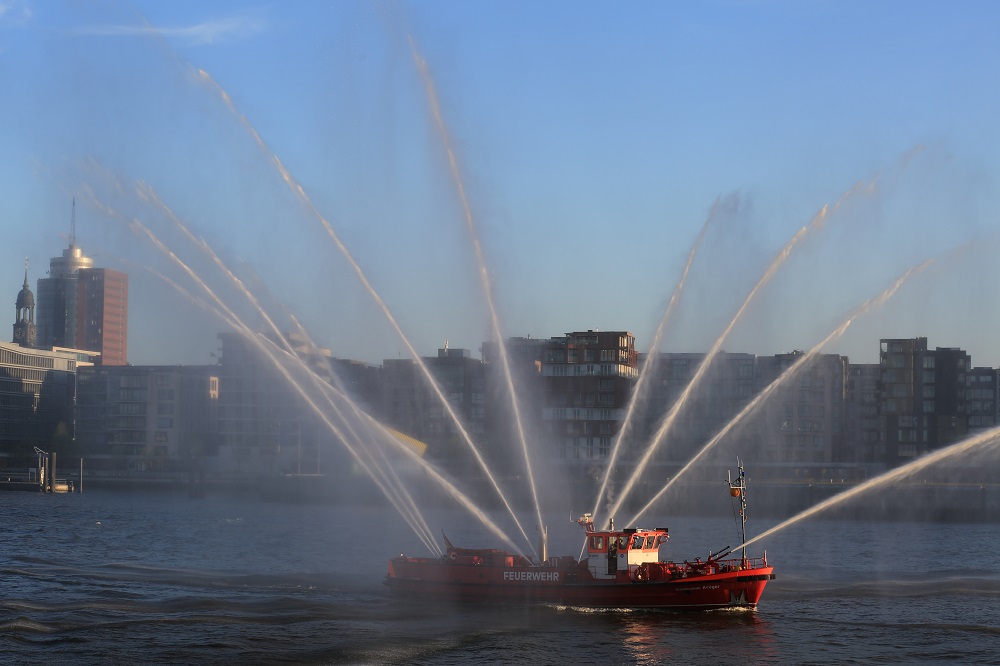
{"x": 592, "y": 140}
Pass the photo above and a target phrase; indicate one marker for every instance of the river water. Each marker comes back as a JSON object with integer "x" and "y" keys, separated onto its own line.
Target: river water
{"x": 155, "y": 578}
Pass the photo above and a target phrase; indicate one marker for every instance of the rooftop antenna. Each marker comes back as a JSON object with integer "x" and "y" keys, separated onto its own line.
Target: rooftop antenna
{"x": 72, "y": 226}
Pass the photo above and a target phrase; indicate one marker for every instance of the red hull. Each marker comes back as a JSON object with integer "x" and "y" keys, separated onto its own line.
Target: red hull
{"x": 685, "y": 587}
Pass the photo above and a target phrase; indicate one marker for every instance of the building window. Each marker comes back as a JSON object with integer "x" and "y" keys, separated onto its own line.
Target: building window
{"x": 132, "y": 381}
{"x": 678, "y": 369}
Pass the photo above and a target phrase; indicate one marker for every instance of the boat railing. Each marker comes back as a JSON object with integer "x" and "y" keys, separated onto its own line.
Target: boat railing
{"x": 738, "y": 563}
{"x": 655, "y": 571}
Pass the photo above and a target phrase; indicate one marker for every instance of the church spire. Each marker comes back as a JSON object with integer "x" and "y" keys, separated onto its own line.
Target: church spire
{"x": 24, "y": 321}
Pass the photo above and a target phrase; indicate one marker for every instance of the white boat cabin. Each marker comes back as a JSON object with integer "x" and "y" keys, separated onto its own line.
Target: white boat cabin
{"x": 611, "y": 551}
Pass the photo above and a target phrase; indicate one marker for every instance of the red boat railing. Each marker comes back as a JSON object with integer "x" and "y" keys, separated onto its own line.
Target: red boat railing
{"x": 654, "y": 571}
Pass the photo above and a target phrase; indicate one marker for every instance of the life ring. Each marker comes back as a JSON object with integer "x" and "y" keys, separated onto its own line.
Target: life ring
{"x": 641, "y": 574}
{"x": 453, "y": 555}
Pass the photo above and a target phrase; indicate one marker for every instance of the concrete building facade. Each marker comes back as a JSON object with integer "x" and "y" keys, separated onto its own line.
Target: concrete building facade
{"x": 981, "y": 398}
{"x": 37, "y": 395}
{"x": 587, "y": 378}
{"x": 137, "y": 419}
{"x": 410, "y": 405}
{"x": 922, "y": 402}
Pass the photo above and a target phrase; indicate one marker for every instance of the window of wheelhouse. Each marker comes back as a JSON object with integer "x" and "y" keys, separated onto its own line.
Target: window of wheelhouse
{"x": 597, "y": 543}
{"x": 637, "y": 542}
{"x": 650, "y": 542}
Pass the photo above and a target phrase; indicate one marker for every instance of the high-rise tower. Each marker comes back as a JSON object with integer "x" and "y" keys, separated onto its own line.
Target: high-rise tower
{"x": 102, "y": 313}
{"x": 83, "y": 307}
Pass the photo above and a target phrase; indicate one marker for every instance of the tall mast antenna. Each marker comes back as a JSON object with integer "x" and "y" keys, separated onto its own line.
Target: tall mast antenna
{"x": 72, "y": 226}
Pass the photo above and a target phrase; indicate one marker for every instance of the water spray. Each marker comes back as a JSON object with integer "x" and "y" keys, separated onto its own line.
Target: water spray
{"x": 300, "y": 194}
{"x": 651, "y": 358}
{"x": 785, "y": 377}
{"x": 816, "y": 223}
{"x": 989, "y": 437}
{"x": 279, "y": 363}
{"x": 484, "y": 277}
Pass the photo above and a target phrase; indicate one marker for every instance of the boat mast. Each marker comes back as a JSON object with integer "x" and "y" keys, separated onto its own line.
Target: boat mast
{"x": 738, "y": 488}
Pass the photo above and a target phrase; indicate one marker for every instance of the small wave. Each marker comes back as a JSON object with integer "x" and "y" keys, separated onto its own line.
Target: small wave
{"x": 969, "y": 628}
{"x": 25, "y": 625}
{"x": 122, "y": 573}
{"x": 874, "y": 588}
{"x": 740, "y": 610}
{"x": 591, "y": 610}
{"x": 922, "y": 628}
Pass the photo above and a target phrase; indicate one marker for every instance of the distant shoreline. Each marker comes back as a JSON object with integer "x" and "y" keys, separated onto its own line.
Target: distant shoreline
{"x": 901, "y": 501}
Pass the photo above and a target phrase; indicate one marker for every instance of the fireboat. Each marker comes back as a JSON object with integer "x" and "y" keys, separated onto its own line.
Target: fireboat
{"x": 621, "y": 569}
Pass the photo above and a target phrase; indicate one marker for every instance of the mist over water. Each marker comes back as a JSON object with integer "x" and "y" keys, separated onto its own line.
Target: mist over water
{"x": 302, "y": 383}
{"x": 383, "y": 467}
{"x": 160, "y": 578}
